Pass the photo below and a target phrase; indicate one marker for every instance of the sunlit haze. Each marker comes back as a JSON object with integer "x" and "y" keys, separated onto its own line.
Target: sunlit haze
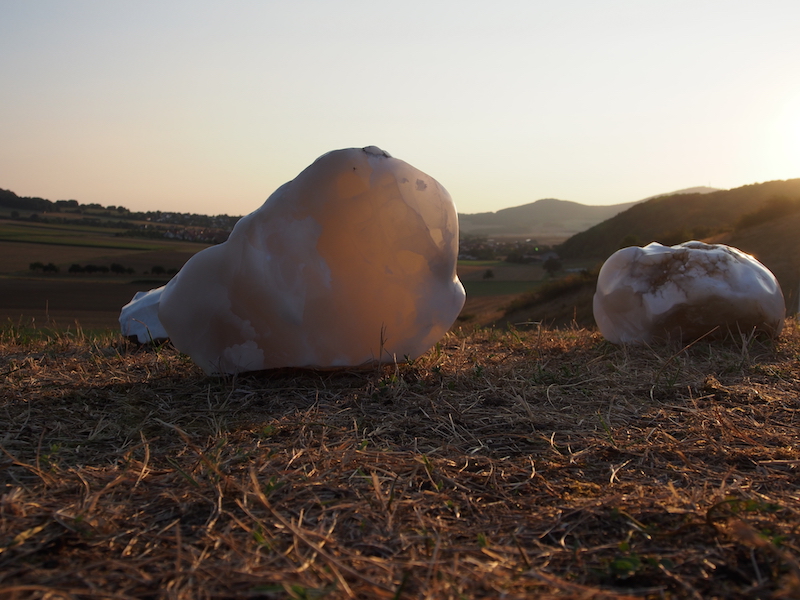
{"x": 207, "y": 107}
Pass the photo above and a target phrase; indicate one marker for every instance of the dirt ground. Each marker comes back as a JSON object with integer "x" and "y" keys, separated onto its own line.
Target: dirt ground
{"x": 502, "y": 271}
{"x": 75, "y": 300}
{"x": 94, "y": 304}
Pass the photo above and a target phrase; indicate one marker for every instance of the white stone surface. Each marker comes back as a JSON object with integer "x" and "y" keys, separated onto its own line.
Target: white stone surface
{"x": 139, "y": 317}
{"x": 353, "y": 261}
{"x": 682, "y": 292}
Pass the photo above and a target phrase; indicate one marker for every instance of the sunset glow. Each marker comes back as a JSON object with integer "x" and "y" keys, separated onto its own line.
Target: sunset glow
{"x": 792, "y": 136}
{"x": 204, "y": 107}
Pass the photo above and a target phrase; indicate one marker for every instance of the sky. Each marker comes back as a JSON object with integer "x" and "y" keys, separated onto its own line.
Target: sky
{"x": 208, "y": 107}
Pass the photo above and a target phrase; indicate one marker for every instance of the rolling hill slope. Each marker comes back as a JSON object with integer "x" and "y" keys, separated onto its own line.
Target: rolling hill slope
{"x": 674, "y": 219}
{"x": 774, "y": 242}
{"x": 550, "y": 217}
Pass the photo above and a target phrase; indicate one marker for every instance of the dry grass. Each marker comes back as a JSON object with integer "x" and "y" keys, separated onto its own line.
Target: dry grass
{"x": 544, "y": 463}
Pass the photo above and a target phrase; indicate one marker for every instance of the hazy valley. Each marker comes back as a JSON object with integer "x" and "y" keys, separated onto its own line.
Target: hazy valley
{"x": 550, "y": 220}
{"x": 506, "y": 285}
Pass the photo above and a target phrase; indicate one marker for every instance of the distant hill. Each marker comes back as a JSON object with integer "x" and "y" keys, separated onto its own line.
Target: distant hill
{"x": 549, "y": 217}
{"x": 675, "y": 218}
{"x": 701, "y": 189}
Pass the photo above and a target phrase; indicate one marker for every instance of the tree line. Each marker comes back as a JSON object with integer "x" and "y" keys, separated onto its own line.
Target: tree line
{"x": 114, "y": 268}
{"x": 10, "y": 200}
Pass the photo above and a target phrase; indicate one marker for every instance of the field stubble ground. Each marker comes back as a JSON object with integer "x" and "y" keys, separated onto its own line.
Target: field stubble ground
{"x": 541, "y": 463}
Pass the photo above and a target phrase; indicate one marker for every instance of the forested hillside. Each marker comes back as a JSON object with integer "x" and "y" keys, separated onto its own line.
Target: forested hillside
{"x": 674, "y": 219}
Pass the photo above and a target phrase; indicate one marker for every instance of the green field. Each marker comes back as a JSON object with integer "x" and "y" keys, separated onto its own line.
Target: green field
{"x": 479, "y": 289}
{"x": 481, "y": 263}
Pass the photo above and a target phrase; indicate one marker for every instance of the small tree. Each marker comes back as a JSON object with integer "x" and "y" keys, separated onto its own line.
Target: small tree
{"x": 552, "y": 265}
{"x": 630, "y": 240}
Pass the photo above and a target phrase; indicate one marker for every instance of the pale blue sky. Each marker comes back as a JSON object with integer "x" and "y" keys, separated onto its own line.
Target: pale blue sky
{"x": 199, "y": 106}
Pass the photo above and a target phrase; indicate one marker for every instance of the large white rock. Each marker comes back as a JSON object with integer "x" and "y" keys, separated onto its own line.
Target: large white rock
{"x": 353, "y": 261}
{"x": 683, "y": 292}
{"x": 139, "y": 317}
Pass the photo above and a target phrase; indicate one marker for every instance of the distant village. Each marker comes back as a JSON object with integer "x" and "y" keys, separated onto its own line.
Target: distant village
{"x": 184, "y": 226}
{"x": 480, "y": 247}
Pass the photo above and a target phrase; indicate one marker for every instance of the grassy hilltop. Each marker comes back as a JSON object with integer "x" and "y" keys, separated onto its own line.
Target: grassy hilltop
{"x": 511, "y": 463}
{"x": 677, "y": 218}
{"x": 544, "y": 464}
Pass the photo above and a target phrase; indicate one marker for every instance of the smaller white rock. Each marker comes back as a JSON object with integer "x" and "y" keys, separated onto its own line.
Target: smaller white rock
{"x": 139, "y": 317}
{"x": 683, "y": 292}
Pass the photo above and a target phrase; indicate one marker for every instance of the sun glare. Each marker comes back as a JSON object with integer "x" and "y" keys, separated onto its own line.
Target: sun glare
{"x": 793, "y": 139}
{"x": 779, "y": 148}
{"x": 789, "y": 134}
